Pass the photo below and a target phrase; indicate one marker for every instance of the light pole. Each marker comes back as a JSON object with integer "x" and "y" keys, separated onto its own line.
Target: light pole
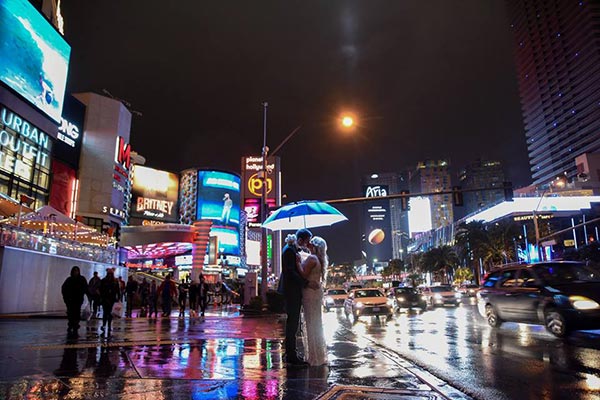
{"x": 263, "y": 212}
{"x": 347, "y": 121}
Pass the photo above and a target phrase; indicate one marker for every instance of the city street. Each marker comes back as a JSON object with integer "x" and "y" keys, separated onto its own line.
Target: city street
{"x": 516, "y": 361}
{"x": 224, "y": 356}
{"x": 229, "y": 356}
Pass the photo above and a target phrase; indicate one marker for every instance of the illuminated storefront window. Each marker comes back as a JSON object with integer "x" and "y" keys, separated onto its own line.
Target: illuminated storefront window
{"x": 24, "y": 158}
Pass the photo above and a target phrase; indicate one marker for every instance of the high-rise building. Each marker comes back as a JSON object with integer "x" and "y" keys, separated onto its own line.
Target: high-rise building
{"x": 394, "y": 183}
{"x": 480, "y": 174}
{"x": 434, "y": 176}
{"x": 558, "y": 66}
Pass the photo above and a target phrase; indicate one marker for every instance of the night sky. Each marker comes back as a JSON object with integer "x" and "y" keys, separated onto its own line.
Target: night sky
{"x": 431, "y": 79}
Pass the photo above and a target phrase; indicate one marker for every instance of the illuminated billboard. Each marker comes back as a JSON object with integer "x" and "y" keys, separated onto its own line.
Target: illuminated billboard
{"x": 218, "y": 199}
{"x": 34, "y": 57}
{"x": 154, "y": 194}
{"x": 378, "y": 227}
{"x": 419, "y": 215}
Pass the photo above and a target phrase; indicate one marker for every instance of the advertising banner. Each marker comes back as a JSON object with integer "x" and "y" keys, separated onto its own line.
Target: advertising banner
{"x": 218, "y": 200}
{"x": 34, "y": 57}
{"x": 378, "y": 227}
{"x": 70, "y": 132}
{"x": 154, "y": 194}
{"x": 61, "y": 189}
{"x": 252, "y": 181}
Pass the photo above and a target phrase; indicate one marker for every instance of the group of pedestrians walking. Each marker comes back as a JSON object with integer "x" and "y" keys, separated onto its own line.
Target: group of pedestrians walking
{"x": 104, "y": 293}
{"x": 101, "y": 292}
{"x": 196, "y": 291}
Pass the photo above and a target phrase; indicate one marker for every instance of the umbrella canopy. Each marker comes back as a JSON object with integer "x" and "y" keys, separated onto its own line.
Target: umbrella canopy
{"x": 10, "y": 206}
{"x": 303, "y": 214}
{"x": 47, "y": 217}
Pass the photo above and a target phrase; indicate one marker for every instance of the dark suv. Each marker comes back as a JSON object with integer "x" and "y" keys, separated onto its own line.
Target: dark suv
{"x": 564, "y": 296}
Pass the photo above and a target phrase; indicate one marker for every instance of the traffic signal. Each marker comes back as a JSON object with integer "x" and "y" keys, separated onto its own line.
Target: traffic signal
{"x": 457, "y": 196}
{"x": 404, "y": 200}
{"x": 508, "y": 191}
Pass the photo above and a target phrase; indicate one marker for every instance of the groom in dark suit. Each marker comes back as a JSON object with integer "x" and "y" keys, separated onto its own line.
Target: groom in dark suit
{"x": 293, "y": 283}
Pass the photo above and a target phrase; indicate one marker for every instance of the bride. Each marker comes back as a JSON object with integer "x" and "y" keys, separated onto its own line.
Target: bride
{"x": 313, "y": 269}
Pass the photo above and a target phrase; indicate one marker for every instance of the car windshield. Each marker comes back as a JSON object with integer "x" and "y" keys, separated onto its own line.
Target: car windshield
{"x": 336, "y": 291}
{"x": 405, "y": 291}
{"x": 368, "y": 293}
{"x": 437, "y": 289}
{"x": 556, "y": 274}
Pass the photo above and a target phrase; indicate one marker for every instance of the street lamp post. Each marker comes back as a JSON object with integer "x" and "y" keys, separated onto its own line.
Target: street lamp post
{"x": 263, "y": 212}
{"x": 347, "y": 122}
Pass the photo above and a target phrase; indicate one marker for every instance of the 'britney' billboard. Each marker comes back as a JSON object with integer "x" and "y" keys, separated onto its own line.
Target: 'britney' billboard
{"x": 219, "y": 200}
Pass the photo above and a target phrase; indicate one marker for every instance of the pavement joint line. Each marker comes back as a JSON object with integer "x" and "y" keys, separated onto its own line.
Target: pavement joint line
{"x": 132, "y": 364}
{"x": 110, "y": 344}
{"x": 427, "y": 377}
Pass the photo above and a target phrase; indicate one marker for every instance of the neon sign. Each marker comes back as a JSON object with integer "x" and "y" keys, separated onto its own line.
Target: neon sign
{"x": 123, "y": 153}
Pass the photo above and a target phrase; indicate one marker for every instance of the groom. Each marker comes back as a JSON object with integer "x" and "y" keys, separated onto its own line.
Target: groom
{"x": 293, "y": 283}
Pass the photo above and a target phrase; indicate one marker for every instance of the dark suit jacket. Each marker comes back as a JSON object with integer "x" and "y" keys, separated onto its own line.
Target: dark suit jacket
{"x": 293, "y": 282}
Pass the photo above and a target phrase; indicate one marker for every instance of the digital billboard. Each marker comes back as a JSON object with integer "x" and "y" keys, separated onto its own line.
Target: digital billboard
{"x": 218, "y": 199}
{"x": 378, "y": 227}
{"x": 154, "y": 194}
{"x": 34, "y": 57}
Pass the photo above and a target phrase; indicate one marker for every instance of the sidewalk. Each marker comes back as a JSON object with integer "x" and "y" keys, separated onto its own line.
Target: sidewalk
{"x": 222, "y": 356}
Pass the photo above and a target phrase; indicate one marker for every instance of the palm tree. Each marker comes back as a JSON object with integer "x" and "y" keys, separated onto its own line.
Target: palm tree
{"x": 393, "y": 269}
{"x": 439, "y": 259}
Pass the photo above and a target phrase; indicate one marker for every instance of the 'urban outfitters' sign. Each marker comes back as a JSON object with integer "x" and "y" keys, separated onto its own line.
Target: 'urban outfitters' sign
{"x": 23, "y": 145}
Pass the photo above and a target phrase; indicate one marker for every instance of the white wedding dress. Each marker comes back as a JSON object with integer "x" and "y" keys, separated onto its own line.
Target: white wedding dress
{"x": 313, "y": 338}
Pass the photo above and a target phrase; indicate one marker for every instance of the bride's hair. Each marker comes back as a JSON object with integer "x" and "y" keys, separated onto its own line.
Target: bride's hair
{"x": 321, "y": 252}
{"x": 291, "y": 239}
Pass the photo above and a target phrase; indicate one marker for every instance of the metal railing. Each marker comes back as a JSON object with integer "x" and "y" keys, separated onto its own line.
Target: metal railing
{"x": 34, "y": 240}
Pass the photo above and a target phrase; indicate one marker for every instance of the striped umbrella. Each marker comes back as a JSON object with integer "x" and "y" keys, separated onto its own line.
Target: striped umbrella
{"x": 303, "y": 214}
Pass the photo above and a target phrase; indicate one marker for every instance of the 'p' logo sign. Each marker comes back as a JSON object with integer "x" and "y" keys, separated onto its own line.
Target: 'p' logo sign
{"x": 255, "y": 185}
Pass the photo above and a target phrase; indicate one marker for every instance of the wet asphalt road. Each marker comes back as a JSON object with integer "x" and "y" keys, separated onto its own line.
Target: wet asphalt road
{"x": 222, "y": 356}
{"x": 226, "y": 356}
{"x": 516, "y": 361}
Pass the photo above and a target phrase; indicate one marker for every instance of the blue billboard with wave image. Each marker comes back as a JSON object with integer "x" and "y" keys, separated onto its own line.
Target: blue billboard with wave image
{"x": 218, "y": 199}
{"x": 34, "y": 57}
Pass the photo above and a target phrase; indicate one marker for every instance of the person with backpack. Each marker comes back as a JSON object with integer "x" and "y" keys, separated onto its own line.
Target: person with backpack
{"x": 110, "y": 293}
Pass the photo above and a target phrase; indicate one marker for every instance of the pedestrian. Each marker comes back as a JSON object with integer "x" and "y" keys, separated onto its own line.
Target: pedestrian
{"x": 144, "y": 290}
{"x": 182, "y": 298}
{"x": 130, "y": 290}
{"x": 193, "y": 293}
{"x": 73, "y": 290}
{"x": 167, "y": 291}
{"x": 94, "y": 293}
{"x": 121, "y": 289}
{"x": 153, "y": 300}
{"x": 203, "y": 294}
{"x": 110, "y": 293}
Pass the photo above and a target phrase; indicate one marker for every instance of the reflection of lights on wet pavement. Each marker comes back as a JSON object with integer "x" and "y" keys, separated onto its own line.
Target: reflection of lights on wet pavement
{"x": 592, "y": 381}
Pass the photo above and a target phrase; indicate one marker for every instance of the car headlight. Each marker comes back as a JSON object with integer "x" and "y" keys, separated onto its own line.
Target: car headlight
{"x": 359, "y": 305}
{"x": 458, "y": 295}
{"x": 401, "y": 299}
{"x": 583, "y": 303}
{"x": 437, "y": 296}
{"x": 390, "y": 302}
{"x": 329, "y": 300}
{"x": 423, "y": 297}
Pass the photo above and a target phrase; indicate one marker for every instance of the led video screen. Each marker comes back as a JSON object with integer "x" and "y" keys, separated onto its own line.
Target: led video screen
{"x": 219, "y": 200}
{"x": 34, "y": 57}
{"x": 154, "y": 194}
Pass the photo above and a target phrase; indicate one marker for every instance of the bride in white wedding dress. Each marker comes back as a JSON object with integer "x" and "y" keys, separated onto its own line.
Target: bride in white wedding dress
{"x": 313, "y": 269}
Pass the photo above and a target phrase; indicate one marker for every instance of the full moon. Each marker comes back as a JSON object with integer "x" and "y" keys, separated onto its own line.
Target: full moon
{"x": 376, "y": 236}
